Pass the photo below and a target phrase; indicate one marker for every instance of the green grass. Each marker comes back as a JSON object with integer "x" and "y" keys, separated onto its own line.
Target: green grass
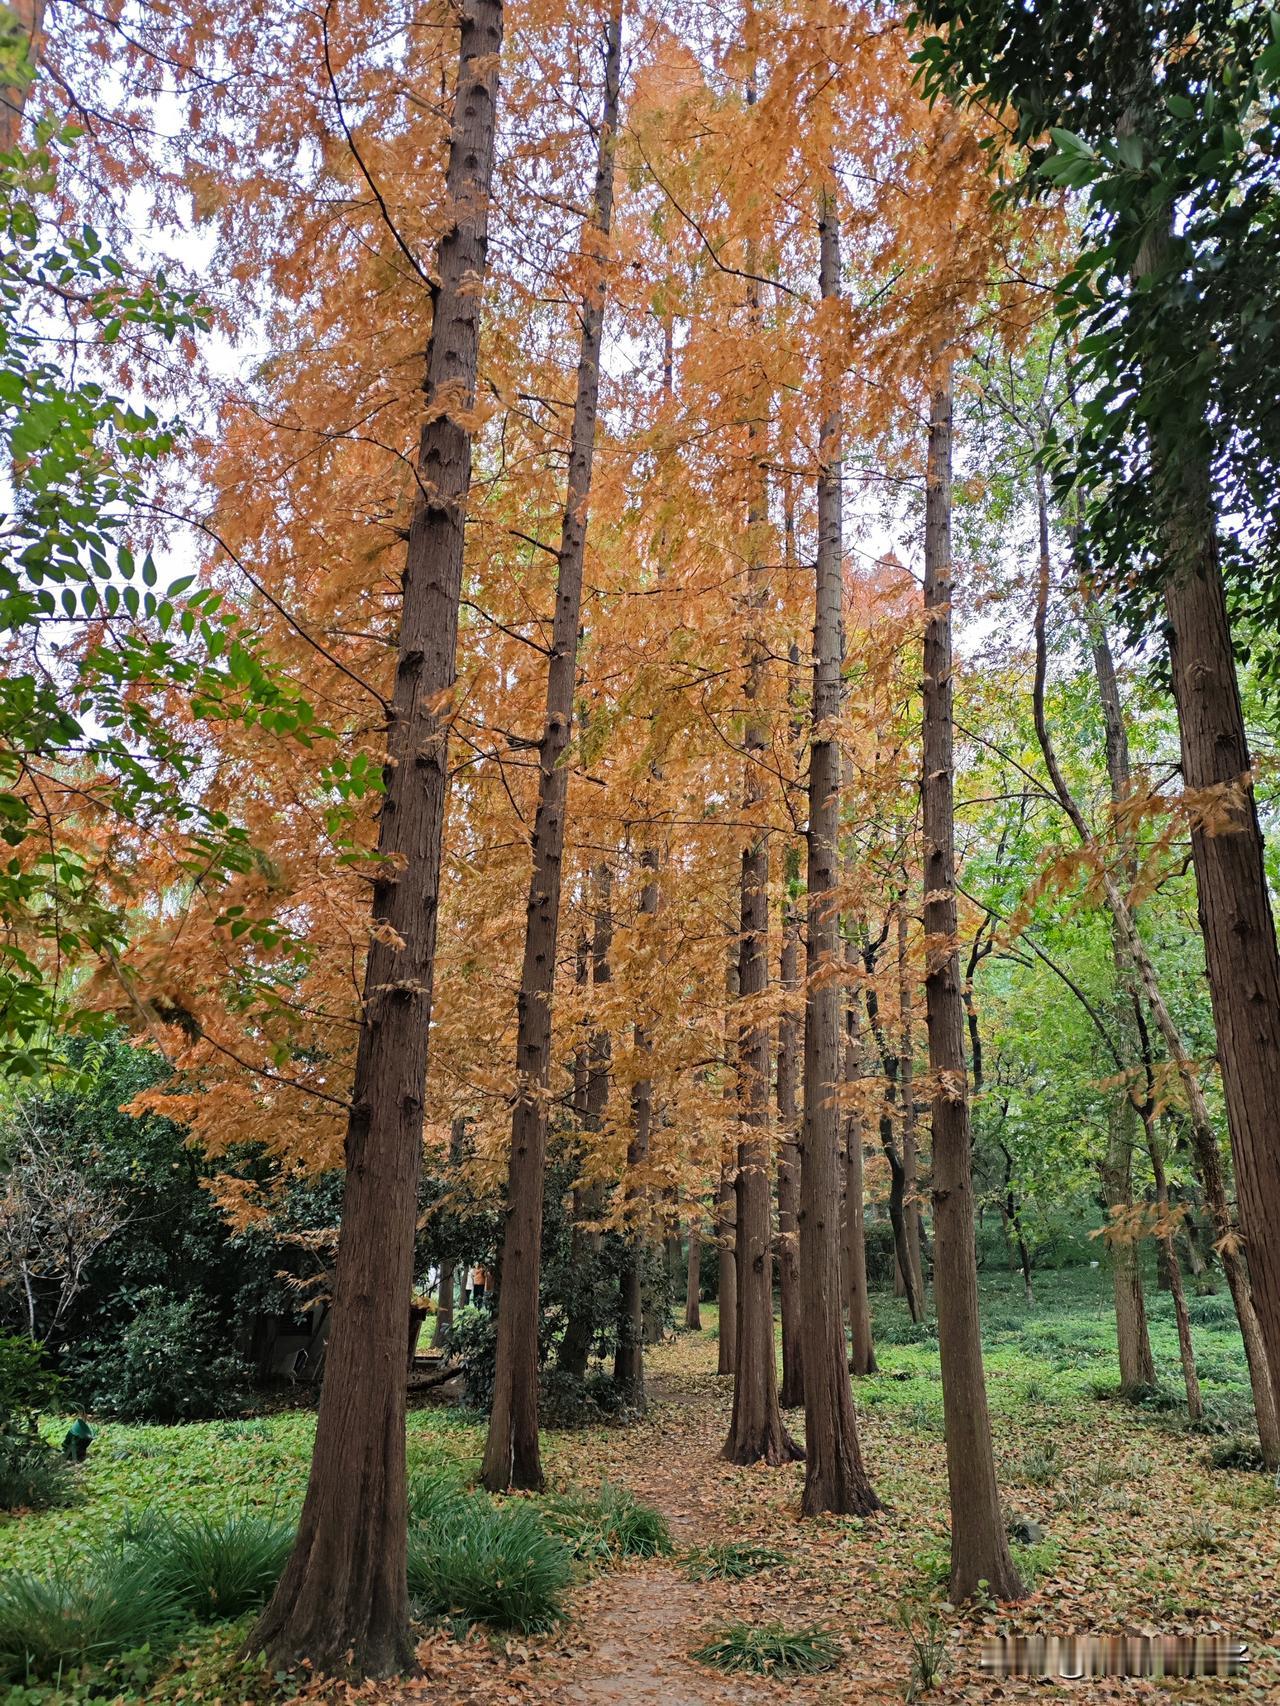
{"x": 731, "y": 1561}
{"x": 603, "y": 1527}
{"x": 474, "y": 1561}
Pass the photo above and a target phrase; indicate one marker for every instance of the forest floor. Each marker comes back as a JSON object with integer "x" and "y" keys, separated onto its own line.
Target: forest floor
{"x": 1140, "y": 1530}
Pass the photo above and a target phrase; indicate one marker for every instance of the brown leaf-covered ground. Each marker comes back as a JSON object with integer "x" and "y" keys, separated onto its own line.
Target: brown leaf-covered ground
{"x": 1140, "y": 1534}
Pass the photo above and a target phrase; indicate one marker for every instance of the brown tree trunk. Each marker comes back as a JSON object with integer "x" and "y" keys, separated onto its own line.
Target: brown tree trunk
{"x": 897, "y": 1173}
{"x": 628, "y": 1362}
{"x": 342, "y": 1603}
{"x": 835, "y": 1478}
{"x": 1186, "y": 1351}
{"x": 792, "y": 1393}
{"x": 1133, "y": 1342}
{"x": 979, "y": 1546}
{"x": 907, "y": 1100}
{"x": 862, "y": 1356}
{"x": 693, "y": 1280}
{"x": 511, "y": 1457}
{"x": 726, "y": 1206}
{"x": 445, "y": 1288}
{"x": 591, "y": 1098}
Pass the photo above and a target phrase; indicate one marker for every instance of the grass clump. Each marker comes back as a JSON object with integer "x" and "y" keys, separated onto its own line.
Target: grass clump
{"x": 477, "y": 1562}
{"x": 33, "y": 1476}
{"x": 217, "y": 1567}
{"x": 768, "y": 1649}
{"x": 1041, "y": 1466}
{"x": 730, "y": 1562}
{"x": 610, "y": 1525}
{"x": 54, "y": 1626}
{"x": 927, "y": 1641}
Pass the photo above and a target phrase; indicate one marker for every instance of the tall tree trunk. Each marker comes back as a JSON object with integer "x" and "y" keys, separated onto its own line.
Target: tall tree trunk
{"x": 1133, "y": 1342}
{"x": 445, "y": 1288}
{"x": 342, "y": 1602}
{"x": 726, "y": 1204}
{"x": 591, "y": 1098}
{"x": 792, "y": 1393}
{"x": 511, "y": 1456}
{"x": 907, "y": 1100}
{"x": 1013, "y": 1221}
{"x": 979, "y": 1547}
{"x": 628, "y": 1362}
{"x": 862, "y": 1356}
{"x": 693, "y": 1279}
{"x": 835, "y": 1478}
{"x": 897, "y": 1172}
{"x": 1186, "y": 1351}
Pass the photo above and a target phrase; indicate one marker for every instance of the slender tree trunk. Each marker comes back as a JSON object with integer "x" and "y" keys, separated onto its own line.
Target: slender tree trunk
{"x": 862, "y": 1356}
{"x": 1186, "y": 1351}
{"x": 835, "y": 1478}
{"x": 591, "y": 1098}
{"x": 1013, "y": 1221}
{"x": 342, "y": 1603}
{"x": 897, "y": 1172}
{"x": 444, "y": 1291}
{"x": 511, "y": 1457}
{"x": 1133, "y": 1342}
{"x": 726, "y": 1206}
{"x": 792, "y": 1393}
{"x": 979, "y": 1547}
{"x": 628, "y": 1363}
{"x": 907, "y": 1099}
{"x": 693, "y": 1280}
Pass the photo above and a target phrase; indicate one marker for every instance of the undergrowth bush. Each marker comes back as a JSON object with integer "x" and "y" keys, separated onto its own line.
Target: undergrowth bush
{"x": 731, "y": 1561}
{"x": 606, "y": 1526}
{"x": 164, "y": 1366}
{"x": 476, "y": 1562}
{"x": 33, "y": 1476}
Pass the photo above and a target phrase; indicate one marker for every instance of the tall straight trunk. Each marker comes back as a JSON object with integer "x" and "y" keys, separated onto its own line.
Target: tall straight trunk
{"x": 693, "y": 1279}
{"x": 628, "y": 1362}
{"x": 907, "y": 1102}
{"x": 342, "y": 1602}
{"x": 591, "y": 1098}
{"x": 979, "y": 1547}
{"x": 1014, "y": 1228}
{"x": 791, "y": 1395}
{"x": 511, "y": 1456}
{"x": 1204, "y": 1139}
{"x": 835, "y": 1478}
{"x": 862, "y": 1356}
{"x": 726, "y": 1203}
{"x": 1133, "y": 1342}
{"x": 756, "y": 1431}
{"x": 445, "y": 1288}
{"x": 888, "y": 1142}
{"x": 1167, "y": 1238}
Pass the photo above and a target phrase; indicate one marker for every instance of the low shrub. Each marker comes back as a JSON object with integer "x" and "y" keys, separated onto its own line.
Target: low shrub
{"x": 1239, "y": 1451}
{"x": 52, "y": 1626}
{"x": 163, "y": 1367}
{"x": 217, "y": 1567}
{"x": 731, "y": 1561}
{"x": 473, "y": 1344}
{"x": 477, "y": 1562}
{"x": 904, "y": 1331}
{"x": 609, "y": 1525}
{"x": 1212, "y": 1310}
{"x": 569, "y": 1401}
{"x": 768, "y": 1649}
{"x": 33, "y": 1476}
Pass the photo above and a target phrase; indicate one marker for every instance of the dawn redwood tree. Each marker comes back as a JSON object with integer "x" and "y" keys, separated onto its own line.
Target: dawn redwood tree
{"x": 628, "y": 1362}
{"x": 835, "y": 1478}
{"x": 979, "y": 1546}
{"x": 342, "y": 1603}
{"x": 791, "y": 1394}
{"x": 907, "y": 1101}
{"x": 511, "y": 1457}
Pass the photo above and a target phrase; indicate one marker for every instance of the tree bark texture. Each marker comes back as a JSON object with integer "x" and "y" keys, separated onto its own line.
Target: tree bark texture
{"x": 835, "y": 1478}
{"x": 342, "y": 1601}
{"x": 979, "y": 1546}
{"x": 791, "y": 1395}
{"x": 511, "y": 1457}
